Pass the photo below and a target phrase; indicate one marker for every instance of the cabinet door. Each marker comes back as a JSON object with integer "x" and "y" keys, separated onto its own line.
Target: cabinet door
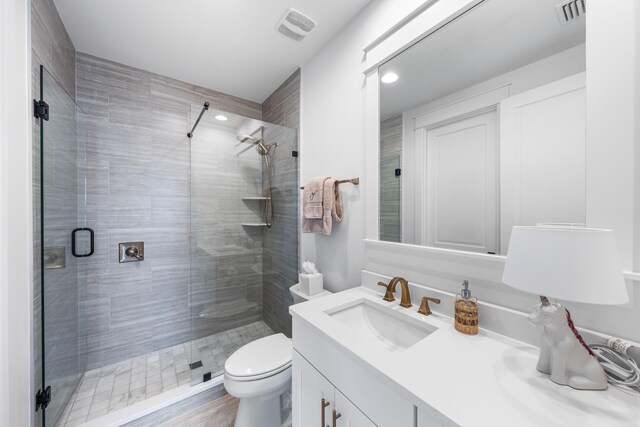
{"x": 349, "y": 414}
{"x": 309, "y": 390}
{"x": 430, "y": 419}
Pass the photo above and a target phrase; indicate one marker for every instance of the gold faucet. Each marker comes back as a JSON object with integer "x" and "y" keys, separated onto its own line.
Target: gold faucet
{"x": 424, "y": 305}
{"x": 405, "y": 299}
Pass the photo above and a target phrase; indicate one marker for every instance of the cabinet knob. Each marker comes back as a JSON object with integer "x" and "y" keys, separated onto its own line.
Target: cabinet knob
{"x": 336, "y": 415}
{"x": 324, "y": 404}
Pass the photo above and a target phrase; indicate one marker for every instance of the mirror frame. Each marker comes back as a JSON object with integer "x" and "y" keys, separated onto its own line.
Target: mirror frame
{"x": 610, "y": 74}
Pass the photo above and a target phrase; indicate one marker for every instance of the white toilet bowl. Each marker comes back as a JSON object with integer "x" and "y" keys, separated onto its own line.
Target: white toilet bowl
{"x": 259, "y": 374}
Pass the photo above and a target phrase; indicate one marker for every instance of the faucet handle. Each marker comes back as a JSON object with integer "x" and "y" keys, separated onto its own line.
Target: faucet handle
{"x": 424, "y": 305}
{"x": 388, "y": 295}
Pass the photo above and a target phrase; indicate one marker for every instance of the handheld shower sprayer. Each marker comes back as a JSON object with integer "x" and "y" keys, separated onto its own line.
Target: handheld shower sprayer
{"x": 265, "y": 151}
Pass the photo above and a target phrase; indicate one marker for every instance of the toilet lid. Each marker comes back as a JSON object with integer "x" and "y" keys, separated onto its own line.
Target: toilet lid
{"x": 260, "y": 357}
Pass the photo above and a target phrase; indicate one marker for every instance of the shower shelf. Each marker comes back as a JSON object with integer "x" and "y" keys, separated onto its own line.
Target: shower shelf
{"x": 255, "y": 224}
{"x": 255, "y": 198}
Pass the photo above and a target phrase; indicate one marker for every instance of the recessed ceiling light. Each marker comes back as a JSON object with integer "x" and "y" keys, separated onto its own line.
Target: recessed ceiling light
{"x": 221, "y": 118}
{"x": 389, "y": 78}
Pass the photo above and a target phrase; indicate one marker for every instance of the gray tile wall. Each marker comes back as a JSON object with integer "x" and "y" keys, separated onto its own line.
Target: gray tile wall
{"x": 51, "y": 47}
{"x": 390, "y": 185}
{"x": 280, "y": 252}
{"x": 138, "y": 189}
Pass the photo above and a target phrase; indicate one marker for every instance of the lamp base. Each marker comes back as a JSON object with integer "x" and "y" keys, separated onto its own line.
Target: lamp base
{"x": 563, "y": 356}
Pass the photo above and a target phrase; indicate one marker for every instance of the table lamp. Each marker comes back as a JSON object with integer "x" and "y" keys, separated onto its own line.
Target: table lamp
{"x": 572, "y": 264}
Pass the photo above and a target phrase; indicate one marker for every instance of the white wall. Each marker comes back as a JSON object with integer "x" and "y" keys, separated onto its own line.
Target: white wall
{"x": 612, "y": 84}
{"x": 16, "y": 396}
{"x": 332, "y": 138}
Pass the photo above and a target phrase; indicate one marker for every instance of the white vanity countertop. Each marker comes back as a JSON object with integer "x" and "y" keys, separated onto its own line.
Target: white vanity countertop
{"x": 482, "y": 380}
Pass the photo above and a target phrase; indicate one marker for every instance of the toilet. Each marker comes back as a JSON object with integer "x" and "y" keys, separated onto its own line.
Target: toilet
{"x": 299, "y": 296}
{"x": 259, "y": 374}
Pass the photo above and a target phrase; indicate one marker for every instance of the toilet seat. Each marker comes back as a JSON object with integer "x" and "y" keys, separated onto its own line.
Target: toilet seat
{"x": 260, "y": 359}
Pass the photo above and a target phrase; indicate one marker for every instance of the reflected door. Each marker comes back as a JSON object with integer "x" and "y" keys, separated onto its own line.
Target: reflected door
{"x": 461, "y": 186}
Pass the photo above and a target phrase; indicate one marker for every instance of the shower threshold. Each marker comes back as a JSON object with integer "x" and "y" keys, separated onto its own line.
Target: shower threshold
{"x": 111, "y": 388}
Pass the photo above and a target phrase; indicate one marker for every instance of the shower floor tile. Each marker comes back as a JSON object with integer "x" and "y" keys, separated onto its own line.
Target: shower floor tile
{"x": 122, "y": 384}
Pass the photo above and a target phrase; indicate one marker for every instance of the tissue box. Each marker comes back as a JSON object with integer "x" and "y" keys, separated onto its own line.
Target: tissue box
{"x": 311, "y": 284}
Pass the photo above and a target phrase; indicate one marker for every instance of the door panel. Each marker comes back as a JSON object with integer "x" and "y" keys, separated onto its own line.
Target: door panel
{"x": 461, "y": 185}
{"x": 309, "y": 390}
{"x": 62, "y": 162}
{"x": 349, "y": 414}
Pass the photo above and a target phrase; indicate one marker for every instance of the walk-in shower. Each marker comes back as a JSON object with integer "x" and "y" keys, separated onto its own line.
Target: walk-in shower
{"x": 115, "y": 334}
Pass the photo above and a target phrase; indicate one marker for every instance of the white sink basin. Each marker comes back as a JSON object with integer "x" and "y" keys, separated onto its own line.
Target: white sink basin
{"x": 393, "y": 330}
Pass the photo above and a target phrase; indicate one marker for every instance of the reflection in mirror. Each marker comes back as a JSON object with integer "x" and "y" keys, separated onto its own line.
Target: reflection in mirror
{"x": 483, "y": 128}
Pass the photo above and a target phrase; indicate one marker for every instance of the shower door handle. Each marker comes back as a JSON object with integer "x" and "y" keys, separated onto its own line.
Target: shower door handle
{"x": 73, "y": 242}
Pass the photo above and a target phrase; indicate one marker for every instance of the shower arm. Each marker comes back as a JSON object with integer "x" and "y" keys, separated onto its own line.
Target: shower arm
{"x": 204, "y": 108}
{"x": 250, "y": 136}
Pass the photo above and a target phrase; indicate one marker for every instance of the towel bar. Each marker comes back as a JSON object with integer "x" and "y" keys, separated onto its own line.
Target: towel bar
{"x": 354, "y": 181}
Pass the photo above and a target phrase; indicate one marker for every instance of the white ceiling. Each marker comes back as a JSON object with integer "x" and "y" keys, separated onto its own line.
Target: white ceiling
{"x": 227, "y": 45}
{"x": 495, "y": 37}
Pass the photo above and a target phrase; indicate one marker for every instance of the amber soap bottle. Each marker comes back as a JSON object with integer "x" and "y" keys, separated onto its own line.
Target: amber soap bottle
{"x": 466, "y": 309}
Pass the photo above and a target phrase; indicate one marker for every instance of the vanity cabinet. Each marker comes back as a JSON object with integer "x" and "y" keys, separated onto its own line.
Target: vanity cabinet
{"x": 317, "y": 399}
{"x": 322, "y": 369}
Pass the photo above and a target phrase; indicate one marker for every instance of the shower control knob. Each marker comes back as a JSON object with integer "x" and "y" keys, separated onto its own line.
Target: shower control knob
{"x": 133, "y": 252}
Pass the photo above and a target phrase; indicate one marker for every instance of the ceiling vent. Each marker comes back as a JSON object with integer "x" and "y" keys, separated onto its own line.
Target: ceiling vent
{"x": 295, "y": 24}
{"x": 570, "y": 10}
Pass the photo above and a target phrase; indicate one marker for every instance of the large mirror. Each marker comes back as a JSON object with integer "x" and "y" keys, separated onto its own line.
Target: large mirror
{"x": 482, "y": 127}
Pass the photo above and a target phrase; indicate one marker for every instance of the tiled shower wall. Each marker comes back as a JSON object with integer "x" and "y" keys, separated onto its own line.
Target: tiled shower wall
{"x": 280, "y": 252}
{"x": 390, "y": 184}
{"x": 138, "y": 189}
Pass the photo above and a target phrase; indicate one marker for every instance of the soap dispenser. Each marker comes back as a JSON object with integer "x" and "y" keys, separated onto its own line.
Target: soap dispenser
{"x": 466, "y": 320}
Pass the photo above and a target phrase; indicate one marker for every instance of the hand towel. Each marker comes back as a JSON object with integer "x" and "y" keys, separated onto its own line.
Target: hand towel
{"x": 313, "y": 197}
{"x": 332, "y": 210}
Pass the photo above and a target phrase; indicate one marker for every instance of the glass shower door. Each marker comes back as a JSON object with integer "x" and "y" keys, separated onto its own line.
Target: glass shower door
{"x": 65, "y": 243}
{"x": 244, "y": 192}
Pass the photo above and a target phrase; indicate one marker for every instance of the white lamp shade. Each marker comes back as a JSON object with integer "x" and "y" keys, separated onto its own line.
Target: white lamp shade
{"x": 572, "y": 264}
